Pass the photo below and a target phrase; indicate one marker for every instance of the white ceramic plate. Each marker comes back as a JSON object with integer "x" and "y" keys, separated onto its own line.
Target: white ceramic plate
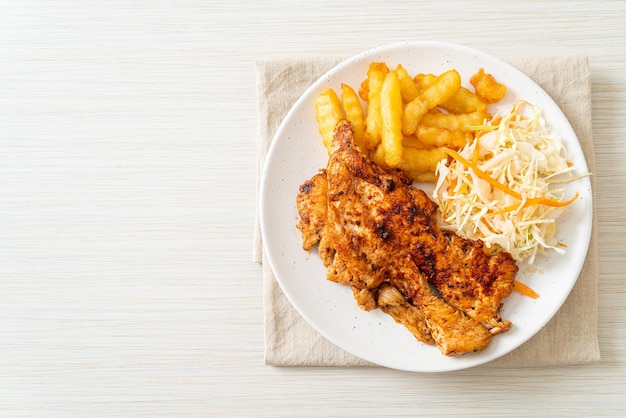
{"x": 297, "y": 153}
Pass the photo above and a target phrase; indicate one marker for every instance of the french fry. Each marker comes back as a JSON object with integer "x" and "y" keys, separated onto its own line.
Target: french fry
{"x": 364, "y": 90}
{"x": 378, "y": 156}
{"x": 425, "y": 80}
{"x": 328, "y": 113}
{"x": 391, "y": 117}
{"x": 453, "y": 122}
{"x": 421, "y": 160}
{"x": 487, "y": 88}
{"x": 463, "y": 101}
{"x": 408, "y": 122}
{"x": 446, "y": 85}
{"x": 354, "y": 113}
{"x": 373, "y": 123}
{"x": 409, "y": 89}
{"x": 413, "y": 142}
{"x": 434, "y": 136}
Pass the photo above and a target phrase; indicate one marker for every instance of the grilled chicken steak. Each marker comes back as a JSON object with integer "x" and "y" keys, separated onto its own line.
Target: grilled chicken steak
{"x": 380, "y": 235}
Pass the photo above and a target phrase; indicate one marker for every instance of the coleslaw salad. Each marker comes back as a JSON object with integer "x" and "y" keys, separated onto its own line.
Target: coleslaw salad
{"x": 505, "y": 187}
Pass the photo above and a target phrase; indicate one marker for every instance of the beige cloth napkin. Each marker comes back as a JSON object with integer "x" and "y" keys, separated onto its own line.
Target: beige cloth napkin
{"x": 569, "y": 338}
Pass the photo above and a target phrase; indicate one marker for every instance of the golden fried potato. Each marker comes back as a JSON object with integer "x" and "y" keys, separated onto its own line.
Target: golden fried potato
{"x": 378, "y": 156}
{"x": 413, "y": 142}
{"x": 354, "y": 113}
{"x": 452, "y": 121}
{"x": 487, "y": 88}
{"x": 391, "y": 117}
{"x": 409, "y": 88}
{"x": 328, "y": 113}
{"x": 444, "y": 87}
{"x": 434, "y": 136}
{"x": 364, "y": 90}
{"x": 408, "y": 122}
{"x": 421, "y": 160}
{"x": 425, "y": 80}
{"x": 463, "y": 101}
{"x": 373, "y": 123}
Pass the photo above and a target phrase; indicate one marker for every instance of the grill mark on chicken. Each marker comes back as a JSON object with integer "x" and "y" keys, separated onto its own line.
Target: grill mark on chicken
{"x": 374, "y": 229}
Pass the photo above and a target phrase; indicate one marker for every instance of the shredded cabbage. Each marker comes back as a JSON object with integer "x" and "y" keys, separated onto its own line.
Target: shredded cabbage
{"x": 503, "y": 187}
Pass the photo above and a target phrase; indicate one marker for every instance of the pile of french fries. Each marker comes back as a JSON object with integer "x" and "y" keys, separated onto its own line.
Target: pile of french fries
{"x": 408, "y": 121}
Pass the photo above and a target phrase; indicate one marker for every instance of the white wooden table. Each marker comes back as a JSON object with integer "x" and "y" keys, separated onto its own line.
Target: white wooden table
{"x": 127, "y": 204}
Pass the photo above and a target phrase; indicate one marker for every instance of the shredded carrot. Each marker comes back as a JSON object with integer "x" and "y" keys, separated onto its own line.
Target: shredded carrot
{"x": 524, "y": 290}
{"x": 507, "y": 209}
{"x": 493, "y": 231}
{"x": 548, "y": 202}
{"x": 496, "y": 184}
{"x": 476, "y": 152}
{"x": 496, "y": 121}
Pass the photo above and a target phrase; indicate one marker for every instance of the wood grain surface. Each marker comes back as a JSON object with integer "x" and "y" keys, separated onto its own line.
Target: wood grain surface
{"x": 127, "y": 205}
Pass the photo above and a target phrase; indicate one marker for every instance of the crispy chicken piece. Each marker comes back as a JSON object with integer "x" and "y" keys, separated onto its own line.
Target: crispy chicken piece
{"x": 379, "y": 229}
{"x": 393, "y": 303}
{"x": 366, "y": 298}
{"x": 473, "y": 279}
{"x": 312, "y": 208}
{"x": 454, "y": 332}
